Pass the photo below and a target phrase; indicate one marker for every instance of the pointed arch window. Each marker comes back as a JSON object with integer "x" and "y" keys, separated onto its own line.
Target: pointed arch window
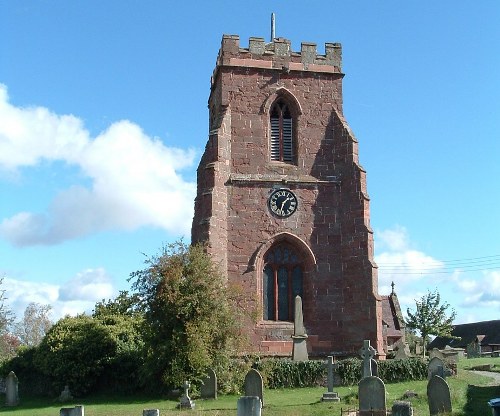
{"x": 282, "y": 134}
{"x": 282, "y": 281}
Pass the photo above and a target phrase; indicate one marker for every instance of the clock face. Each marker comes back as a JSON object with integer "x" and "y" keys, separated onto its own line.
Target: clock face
{"x": 282, "y": 203}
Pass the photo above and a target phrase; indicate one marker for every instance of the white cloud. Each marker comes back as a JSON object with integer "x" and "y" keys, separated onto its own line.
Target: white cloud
{"x": 134, "y": 178}
{"x": 75, "y": 296}
{"x": 89, "y": 285}
{"x": 400, "y": 263}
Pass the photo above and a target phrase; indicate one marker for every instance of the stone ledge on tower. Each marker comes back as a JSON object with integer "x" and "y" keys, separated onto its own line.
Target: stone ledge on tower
{"x": 279, "y": 55}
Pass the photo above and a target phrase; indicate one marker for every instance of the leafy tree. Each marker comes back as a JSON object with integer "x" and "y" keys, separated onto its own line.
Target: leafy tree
{"x": 124, "y": 304}
{"x": 90, "y": 354}
{"x": 7, "y": 343}
{"x": 430, "y": 318}
{"x": 34, "y": 325}
{"x": 190, "y": 316}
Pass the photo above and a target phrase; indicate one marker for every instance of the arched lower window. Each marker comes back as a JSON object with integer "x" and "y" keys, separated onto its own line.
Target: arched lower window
{"x": 282, "y": 142}
{"x": 282, "y": 281}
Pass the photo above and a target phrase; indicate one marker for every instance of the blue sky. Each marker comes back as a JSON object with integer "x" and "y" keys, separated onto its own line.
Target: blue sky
{"x": 103, "y": 118}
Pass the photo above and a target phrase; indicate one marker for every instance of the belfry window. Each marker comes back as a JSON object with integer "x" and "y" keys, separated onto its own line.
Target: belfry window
{"x": 282, "y": 281}
{"x": 282, "y": 143}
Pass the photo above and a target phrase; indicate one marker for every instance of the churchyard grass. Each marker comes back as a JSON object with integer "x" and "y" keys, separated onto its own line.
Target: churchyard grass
{"x": 290, "y": 402}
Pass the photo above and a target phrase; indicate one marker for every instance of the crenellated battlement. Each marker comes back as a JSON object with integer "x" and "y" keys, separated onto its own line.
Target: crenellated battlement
{"x": 278, "y": 55}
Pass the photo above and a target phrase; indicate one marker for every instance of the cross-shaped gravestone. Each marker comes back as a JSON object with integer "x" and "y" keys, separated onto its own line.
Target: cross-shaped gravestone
{"x": 186, "y": 402}
{"x": 330, "y": 395}
{"x": 367, "y": 353}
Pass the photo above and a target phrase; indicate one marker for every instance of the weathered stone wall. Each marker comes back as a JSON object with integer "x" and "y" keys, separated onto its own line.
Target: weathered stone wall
{"x": 331, "y": 225}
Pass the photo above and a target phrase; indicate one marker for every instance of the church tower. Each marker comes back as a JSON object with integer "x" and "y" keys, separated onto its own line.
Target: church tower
{"x": 282, "y": 201}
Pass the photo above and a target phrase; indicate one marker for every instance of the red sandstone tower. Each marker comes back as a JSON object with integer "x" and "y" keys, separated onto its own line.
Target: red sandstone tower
{"x": 282, "y": 200}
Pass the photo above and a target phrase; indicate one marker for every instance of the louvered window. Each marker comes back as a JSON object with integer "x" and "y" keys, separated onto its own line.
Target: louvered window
{"x": 282, "y": 146}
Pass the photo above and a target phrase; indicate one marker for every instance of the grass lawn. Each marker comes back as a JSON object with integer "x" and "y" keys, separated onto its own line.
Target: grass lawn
{"x": 469, "y": 392}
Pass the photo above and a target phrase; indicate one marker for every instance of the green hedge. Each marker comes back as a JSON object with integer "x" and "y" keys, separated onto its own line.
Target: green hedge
{"x": 390, "y": 371}
{"x": 282, "y": 373}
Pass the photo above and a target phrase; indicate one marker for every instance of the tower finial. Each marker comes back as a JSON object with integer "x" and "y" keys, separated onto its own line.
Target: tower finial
{"x": 273, "y": 26}
{"x": 392, "y": 285}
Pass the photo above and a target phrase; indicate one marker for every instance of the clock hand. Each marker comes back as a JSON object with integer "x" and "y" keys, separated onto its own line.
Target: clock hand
{"x": 283, "y": 203}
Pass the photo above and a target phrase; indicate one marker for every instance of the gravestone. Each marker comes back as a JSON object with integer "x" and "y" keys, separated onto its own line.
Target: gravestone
{"x": 151, "y": 412}
{"x": 374, "y": 367}
{"x": 367, "y": 353}
{"x": 473, "y": 350}
{"x": 371, "y": 394}
{"x": 185, "y": 401}
{"x": 208, "y": 388}
{"x": 11, "y": 390}
{"x": 330, "y": 395}
{"x": 299, "y": 337}
{"x": 438, "y": 395}
{"x": 401, "y": 408}
{"x": 402, "y": 350}
{"x": 436, "y": 353}
{"x": 65, "y": 395}
{"x": 72, "y": 411}
{"x": 249, "y": 406}
{"x": 436, "y": 367}
{"x": 254, "y": 385}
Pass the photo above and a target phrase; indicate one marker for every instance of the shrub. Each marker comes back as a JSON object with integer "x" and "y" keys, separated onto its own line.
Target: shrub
{"x": 282, "y": 373}
{"x": 88, "y": 353}
{"x": 390, "y": 371}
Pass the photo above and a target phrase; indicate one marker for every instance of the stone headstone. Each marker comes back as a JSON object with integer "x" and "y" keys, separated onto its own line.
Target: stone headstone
{"x": 374, "y": 367}
{"x": 367, "y": 353}
{"x": 401, "y": 408}
{"x": 436, "y": 353}
{"x": 11, "y": 390}
{"x": 402, "y": 351}
{"x": 371, "y": 393}
{"x": 185, "y": 401}
{"x": 473, "y": 350}
{"x": 299, "y": 337}
{"x": 249, "y": 406}
{"x": 151, "y": 412}
{"x": 208, "y": 388}
{"x": 330, "y": 395}
{"x": 436, "y": 367}
{"x": 438, "y": 395}
{"x": 72, "y": 411}
{"x": 65, "y": 395}
{"x": 254, "y": 385}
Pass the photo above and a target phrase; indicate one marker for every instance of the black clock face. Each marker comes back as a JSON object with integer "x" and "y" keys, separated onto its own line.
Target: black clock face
{"x": 282, "y": 203}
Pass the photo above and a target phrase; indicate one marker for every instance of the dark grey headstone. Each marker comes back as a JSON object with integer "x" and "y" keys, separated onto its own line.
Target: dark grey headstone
{"x": 72, "y": 411}
{"x": 208, "y": 389}
{"x": 249, "y": 406}
{"x": 371, "y": 393}
{"x": 436, "y": 368}
{"x": 254, "y": 385}
{"x": 374, "y": 365}
{"x": 438, "y": 395}
{"x": 400, "y": 408}
{"x": 151, "y": 412}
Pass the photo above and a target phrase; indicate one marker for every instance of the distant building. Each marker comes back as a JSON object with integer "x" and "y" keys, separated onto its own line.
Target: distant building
{"x": 478, "y": 336}
{"x": 392, "y": 320}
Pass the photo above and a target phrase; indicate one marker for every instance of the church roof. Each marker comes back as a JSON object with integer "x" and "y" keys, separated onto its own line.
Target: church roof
{"x": 391, "y": 315}
{"x": 486, "y": 332}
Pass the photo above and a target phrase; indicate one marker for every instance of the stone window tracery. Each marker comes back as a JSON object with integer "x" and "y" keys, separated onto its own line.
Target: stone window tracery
{"x": 282, "y": 281}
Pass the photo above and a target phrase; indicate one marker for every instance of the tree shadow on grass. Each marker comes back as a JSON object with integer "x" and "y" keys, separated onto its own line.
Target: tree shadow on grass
{"x": 477, "y": 400}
